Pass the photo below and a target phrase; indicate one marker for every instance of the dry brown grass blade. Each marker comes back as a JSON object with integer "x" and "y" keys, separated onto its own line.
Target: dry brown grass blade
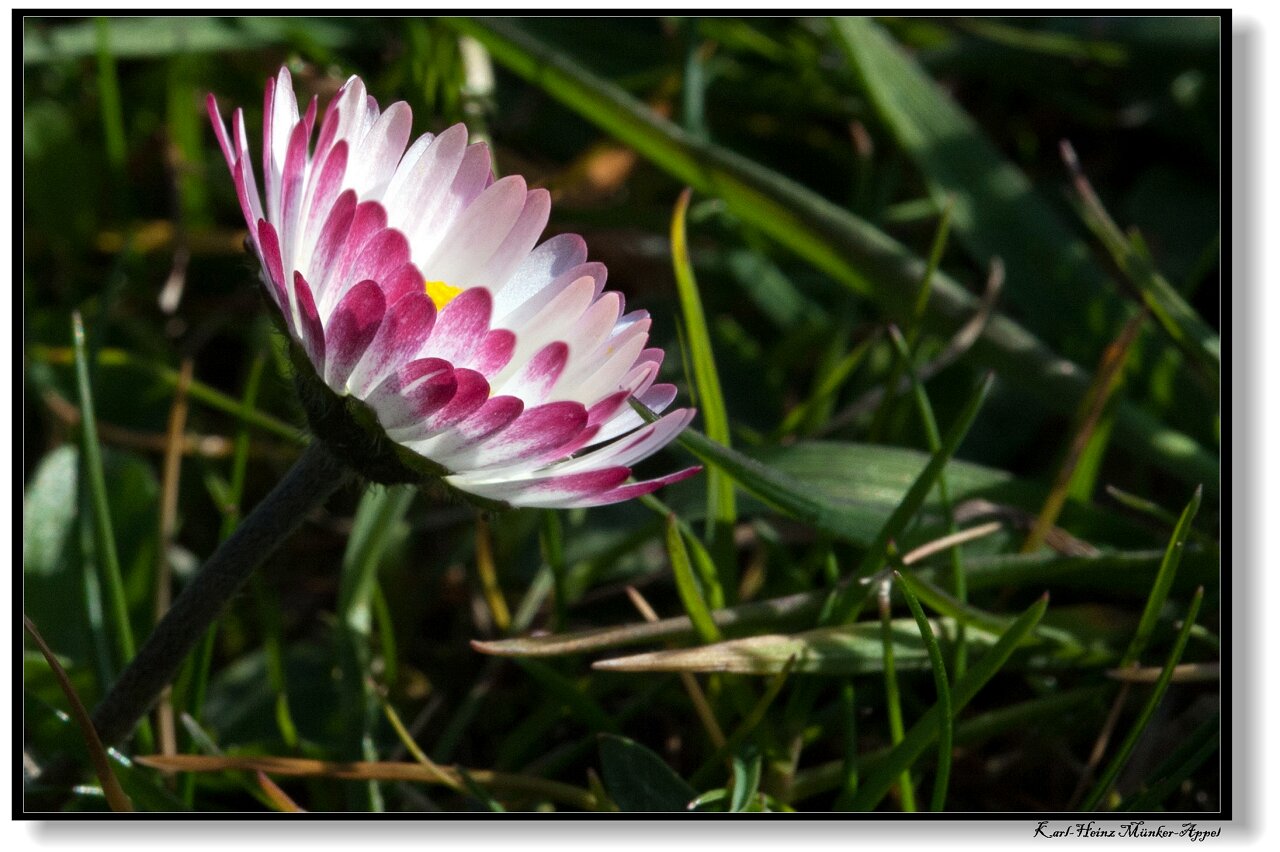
{"x": 1182, "y": 673}
{"x": 166, "y": 728}
{"x": 116, "y": 797}
{"x": 696, "y": 695}
{"x": 279, "y": 798}
{"x": 363, "y": 770}
{"x": 1105, "y": 382}
{"x": 487, "y": 571}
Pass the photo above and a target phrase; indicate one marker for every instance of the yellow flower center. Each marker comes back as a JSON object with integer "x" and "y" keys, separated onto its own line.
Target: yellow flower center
{"x": 441, "y": 293}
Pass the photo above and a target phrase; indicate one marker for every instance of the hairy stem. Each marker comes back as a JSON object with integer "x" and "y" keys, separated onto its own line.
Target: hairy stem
{"x": 316, "y": 475}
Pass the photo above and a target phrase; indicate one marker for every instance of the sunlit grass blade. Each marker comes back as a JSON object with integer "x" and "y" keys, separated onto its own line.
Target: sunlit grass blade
{"x": 852, "y": 649}
{"x": 1125, "y": 750}
{"x": 116, "y": 796}
{"x": 687, "y": 586}
{"x": 1164, "y": 581}
{"x": 721, "y": 511}
{"x": 1179, "y": 320}
{"x": 849, "y": 249}
{"x": 880, "y": 776}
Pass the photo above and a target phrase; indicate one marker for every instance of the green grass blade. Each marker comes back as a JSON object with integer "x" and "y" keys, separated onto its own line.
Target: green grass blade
{"x": 109, "y": 99}
{"x": 930, "y": 423}
{"x": 1197, "y": 340}
{"x": 893, "y": 700}
{"x": 687, "y": 586}
{"x": 721, "y": 511}
{"x": 104, "y": 531}
{"x": 196, "y": 390}
{"x": 377, "y": 521}
{"x": 829, "y": 237}
{"x": 1186, "y": 759}
{"x": 946, "y": 732}
{"x": 845, "y": 603}
{"x": 997, "y": 212}
{"x": 880, "y": 777}
{"x": 1125, "y": 750}
{"x": 1164, "y": 581}
{"x": 970, "y": 732}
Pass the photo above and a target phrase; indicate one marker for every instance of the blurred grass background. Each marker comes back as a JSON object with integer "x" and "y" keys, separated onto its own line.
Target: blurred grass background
{"x": 881, "y": 214}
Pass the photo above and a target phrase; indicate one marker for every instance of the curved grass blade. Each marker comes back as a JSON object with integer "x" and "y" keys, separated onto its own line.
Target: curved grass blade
{"x": 945, "y": 732}
{"x": 721, "y": 510}
{"x": 880, "y": 777}
{"x": 1122, "y": 754}
{"x": 849, "y": 249}
{"x": 115, "y": 795}
{"x": 1164, "y": 581}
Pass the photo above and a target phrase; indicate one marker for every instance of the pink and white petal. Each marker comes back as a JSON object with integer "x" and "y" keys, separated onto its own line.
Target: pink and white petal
{"x": 241, "y": 139}
{"x": 381, "y": 149}
{"x": 462, "y": 326}
{"x": 403, "y": 281}
{"x": 309, "y": 329}
{"x": 536, "y": 432}
{"x": 519, "y": 242}
{"x": 322, "y": 195}
{"x": 269, "y": 248}
{"x": 417, "y": 189}
{"x": 537, "y": 270}
{"x": 553, "y": 322}
{"x": 220, "y": 129}
{"x": 468, "y": 181}
{"x": 608, "y": 377}
{"x": 476, "y": 234}
{"x": 385, "y": 253}
{"x": 473, "y": 392}
{"x": 292, "y": 184}
{"x": 527, "y": 311}
{"x": 402, "y": 335}
{"x": 369, "y": 220}
{"x": 547, "y": 491}
{"x": 656, "y": 399}
{"x": 637, "y": 446}
{"x": 350, "y": 330}
{"x": 331, "y": 243}
{"x": 414, "y": 392}
{"x": 493, "y": 353}
{"x": 630, "y": 491}
{"x": 534, "y": 380}
{"x": 496, "y": 414}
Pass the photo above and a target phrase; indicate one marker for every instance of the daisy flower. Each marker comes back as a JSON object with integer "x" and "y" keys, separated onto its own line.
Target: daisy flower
{"x": 433, "y": 335}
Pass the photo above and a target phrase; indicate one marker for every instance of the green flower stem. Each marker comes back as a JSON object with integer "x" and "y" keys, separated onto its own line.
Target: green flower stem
{"x": 315, "y": 476}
